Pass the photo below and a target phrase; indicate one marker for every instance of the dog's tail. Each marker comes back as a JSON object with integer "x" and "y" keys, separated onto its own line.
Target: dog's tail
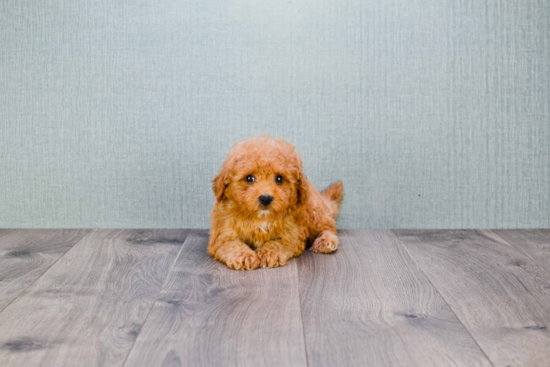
{"x": 334, "y": 195}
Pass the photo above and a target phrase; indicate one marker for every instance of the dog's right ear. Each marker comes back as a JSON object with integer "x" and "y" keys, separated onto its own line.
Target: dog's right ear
{"x": 219, "y": 183}
{"x": 303, "y": 189}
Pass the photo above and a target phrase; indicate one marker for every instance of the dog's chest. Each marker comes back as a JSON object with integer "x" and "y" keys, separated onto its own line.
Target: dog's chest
{"x": 258, "y": 233}
{"x": 264, "y": 227}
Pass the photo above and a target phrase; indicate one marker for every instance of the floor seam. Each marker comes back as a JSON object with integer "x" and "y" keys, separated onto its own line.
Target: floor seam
{"x": 301, "y": 313}
{"x": 441, "y": 295}
{"x": 520, "y": 250}
{"x": 47, "y": 270}
{"x": 157, "y": 296}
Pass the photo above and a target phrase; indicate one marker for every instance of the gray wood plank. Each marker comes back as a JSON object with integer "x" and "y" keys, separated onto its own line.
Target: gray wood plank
{"x": 88, "y": 308}
{"x": 534, "y": 242}
{"x": 370, "y": 305}
{"x": 501, "y": 295}
{"x": 209, "y": 315}
{"x": 25, "y": 254}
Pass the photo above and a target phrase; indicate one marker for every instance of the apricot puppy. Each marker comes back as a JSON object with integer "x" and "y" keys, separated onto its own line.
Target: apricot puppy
{"x": 266, "y": 210}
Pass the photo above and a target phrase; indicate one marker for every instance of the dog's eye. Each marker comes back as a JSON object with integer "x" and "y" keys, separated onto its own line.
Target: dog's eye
{"x": 250, "y": 178}
{"x": 279, "y": 179}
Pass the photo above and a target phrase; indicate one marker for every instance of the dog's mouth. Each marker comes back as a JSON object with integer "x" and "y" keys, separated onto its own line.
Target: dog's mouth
{"x": 264, "y": 207}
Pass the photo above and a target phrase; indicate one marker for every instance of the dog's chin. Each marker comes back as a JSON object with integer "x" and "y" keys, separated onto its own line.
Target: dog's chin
{"x": 264, "y": 213}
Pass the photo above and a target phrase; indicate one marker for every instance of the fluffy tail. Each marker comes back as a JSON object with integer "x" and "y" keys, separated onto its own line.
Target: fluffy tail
{"x": 334, "y": 195}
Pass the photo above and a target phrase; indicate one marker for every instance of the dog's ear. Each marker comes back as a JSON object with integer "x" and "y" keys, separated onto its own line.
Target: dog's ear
{"x": 219, "y": 183}
{"x": 303, "y": 189}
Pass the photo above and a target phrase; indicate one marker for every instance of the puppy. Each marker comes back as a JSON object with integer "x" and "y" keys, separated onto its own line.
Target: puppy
{"x": 266, "y": 210}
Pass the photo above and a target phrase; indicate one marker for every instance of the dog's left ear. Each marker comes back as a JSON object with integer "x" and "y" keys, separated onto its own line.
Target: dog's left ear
{"x": 219, "y": 183}
{"x": 303, "y": 189}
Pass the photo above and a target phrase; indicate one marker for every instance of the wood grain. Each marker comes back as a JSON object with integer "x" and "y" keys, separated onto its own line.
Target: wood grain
{"x": 533, "y": 242}
{"x": 501, "y": 295}
{"x": 369, "y": 304}
{"x": 25, "y": 255}
{"x": 209, "y": 315}
{"x": 89, "y": 307}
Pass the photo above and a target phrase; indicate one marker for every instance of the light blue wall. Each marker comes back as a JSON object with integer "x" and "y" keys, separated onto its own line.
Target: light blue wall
{"x": 118, "y": 113}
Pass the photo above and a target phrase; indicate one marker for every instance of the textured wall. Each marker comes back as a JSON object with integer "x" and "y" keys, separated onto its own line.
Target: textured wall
{"x": 119, "y": 113}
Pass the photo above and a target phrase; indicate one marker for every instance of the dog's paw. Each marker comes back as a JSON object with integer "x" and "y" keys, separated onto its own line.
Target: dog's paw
{"x": 326, "y": 243}
{"x": 243, "y": 261}
{"x": 270, "y": 258}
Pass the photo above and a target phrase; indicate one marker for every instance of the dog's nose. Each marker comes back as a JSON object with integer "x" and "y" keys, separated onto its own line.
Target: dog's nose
{"x": 266, "y": 199}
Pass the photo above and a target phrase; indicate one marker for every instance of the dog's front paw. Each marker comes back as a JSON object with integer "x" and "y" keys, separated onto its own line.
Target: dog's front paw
{"x": 243, "y": 261}
{"x": 271, "y": 258}
{"x": 326, "y": 243}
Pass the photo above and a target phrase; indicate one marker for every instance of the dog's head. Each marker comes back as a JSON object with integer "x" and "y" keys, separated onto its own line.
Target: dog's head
{"x": 262, "y": 176}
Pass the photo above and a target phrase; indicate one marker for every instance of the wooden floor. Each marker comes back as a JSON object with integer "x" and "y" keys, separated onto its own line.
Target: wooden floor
{"x": 386, "y": 298}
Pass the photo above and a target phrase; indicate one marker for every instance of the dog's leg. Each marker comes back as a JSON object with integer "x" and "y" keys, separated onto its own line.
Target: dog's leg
{"x": 326, "y": 242}
{"x": 276, "y": 253}
{"x": 235, "y": 254}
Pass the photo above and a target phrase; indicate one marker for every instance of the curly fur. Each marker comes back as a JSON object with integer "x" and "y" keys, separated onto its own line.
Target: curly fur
{"x": 245, "y": 234}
